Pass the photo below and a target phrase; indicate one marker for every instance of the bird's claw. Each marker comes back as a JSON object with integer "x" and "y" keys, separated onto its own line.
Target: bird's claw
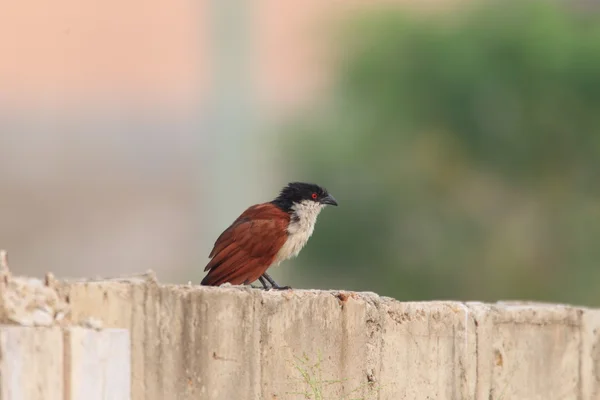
{"x": 280, "y": 288}
{"x": 274, "y": 286}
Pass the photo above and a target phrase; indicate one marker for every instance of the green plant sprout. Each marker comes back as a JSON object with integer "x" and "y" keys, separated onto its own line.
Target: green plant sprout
{"x": 311, "y": 374}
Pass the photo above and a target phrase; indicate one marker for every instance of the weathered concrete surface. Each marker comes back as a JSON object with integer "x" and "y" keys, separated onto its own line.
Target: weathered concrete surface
{"x": 29, "y": 301}
{"x": 590, "y": 355}
{"x": 68, "y": 363}
{"x": 428, "y": 350}
{"x": 46, "y": 355}
{"x": 530, "y": 351}
{"x": 191, "y": 342}
{"x": 97, "y": 364}
{"x": 31, "y": 363}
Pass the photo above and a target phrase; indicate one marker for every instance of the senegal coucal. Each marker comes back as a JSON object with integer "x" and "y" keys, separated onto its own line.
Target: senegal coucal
{"x": 266, "y": 234}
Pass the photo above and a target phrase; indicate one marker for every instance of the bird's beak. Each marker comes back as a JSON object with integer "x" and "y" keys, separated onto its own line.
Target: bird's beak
{"x": 329, "y": 200}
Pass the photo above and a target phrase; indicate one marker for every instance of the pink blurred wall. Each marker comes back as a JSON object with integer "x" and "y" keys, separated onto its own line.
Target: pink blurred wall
{"x": 79, "y": 50}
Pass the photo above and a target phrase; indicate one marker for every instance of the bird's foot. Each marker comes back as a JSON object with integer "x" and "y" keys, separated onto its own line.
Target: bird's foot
{"x": 274, "y": 284}
{"x": 280, "y": 287}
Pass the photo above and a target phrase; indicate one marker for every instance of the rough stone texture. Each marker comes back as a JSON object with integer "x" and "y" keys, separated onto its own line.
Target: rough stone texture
{"x": 590, "y": 354}
{"x": 53, "y": 363}
{"x": 97, "y": 364}
{"x": 320, "y": 336}
{"x": 529, "y": 351}
{"x": 191, "y": 342}
{"x": 29, "y": 301}
{"x": 31, "y": 363}
{"x": 428, "y": 350}
{"x": 206, "y": 340}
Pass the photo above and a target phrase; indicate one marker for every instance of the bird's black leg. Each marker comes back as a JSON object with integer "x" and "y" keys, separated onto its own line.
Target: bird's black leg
{"x": 264, "y": 283}
{"x": 274, "y": 284}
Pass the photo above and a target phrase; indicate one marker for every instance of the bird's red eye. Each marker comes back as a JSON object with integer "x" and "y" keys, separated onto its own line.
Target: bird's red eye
{"x": 314, "y": 196}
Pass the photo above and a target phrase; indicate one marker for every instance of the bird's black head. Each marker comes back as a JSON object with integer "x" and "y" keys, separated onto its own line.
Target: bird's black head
{"x": 297, "y": 192}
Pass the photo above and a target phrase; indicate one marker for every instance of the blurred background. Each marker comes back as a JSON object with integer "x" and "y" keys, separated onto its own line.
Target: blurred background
{"x": 461, "y": 139}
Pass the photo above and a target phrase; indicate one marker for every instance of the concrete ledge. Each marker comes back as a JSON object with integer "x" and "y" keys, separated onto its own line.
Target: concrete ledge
{"x": 191, "y": 342}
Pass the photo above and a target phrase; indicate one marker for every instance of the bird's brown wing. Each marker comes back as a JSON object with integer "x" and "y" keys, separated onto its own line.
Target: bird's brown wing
{"x": 245, "y": 250}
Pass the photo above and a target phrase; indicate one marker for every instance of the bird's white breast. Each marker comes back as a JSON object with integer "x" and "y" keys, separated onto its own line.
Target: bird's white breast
{"x": 300, "y": 229}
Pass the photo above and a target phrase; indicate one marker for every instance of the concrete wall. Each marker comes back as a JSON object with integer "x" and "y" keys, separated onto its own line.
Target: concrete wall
{"x": 190, "y": 342}
{"x": 53, "y": 363}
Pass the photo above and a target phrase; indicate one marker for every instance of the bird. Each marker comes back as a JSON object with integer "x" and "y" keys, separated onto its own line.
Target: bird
{"x": 265, "y": 235}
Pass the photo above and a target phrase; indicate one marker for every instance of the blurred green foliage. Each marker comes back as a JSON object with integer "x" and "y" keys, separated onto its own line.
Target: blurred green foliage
{"x": 463, "y": 149}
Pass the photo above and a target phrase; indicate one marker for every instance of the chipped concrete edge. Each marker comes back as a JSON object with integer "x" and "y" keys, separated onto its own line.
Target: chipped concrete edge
{"x": 32, "y": 302}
